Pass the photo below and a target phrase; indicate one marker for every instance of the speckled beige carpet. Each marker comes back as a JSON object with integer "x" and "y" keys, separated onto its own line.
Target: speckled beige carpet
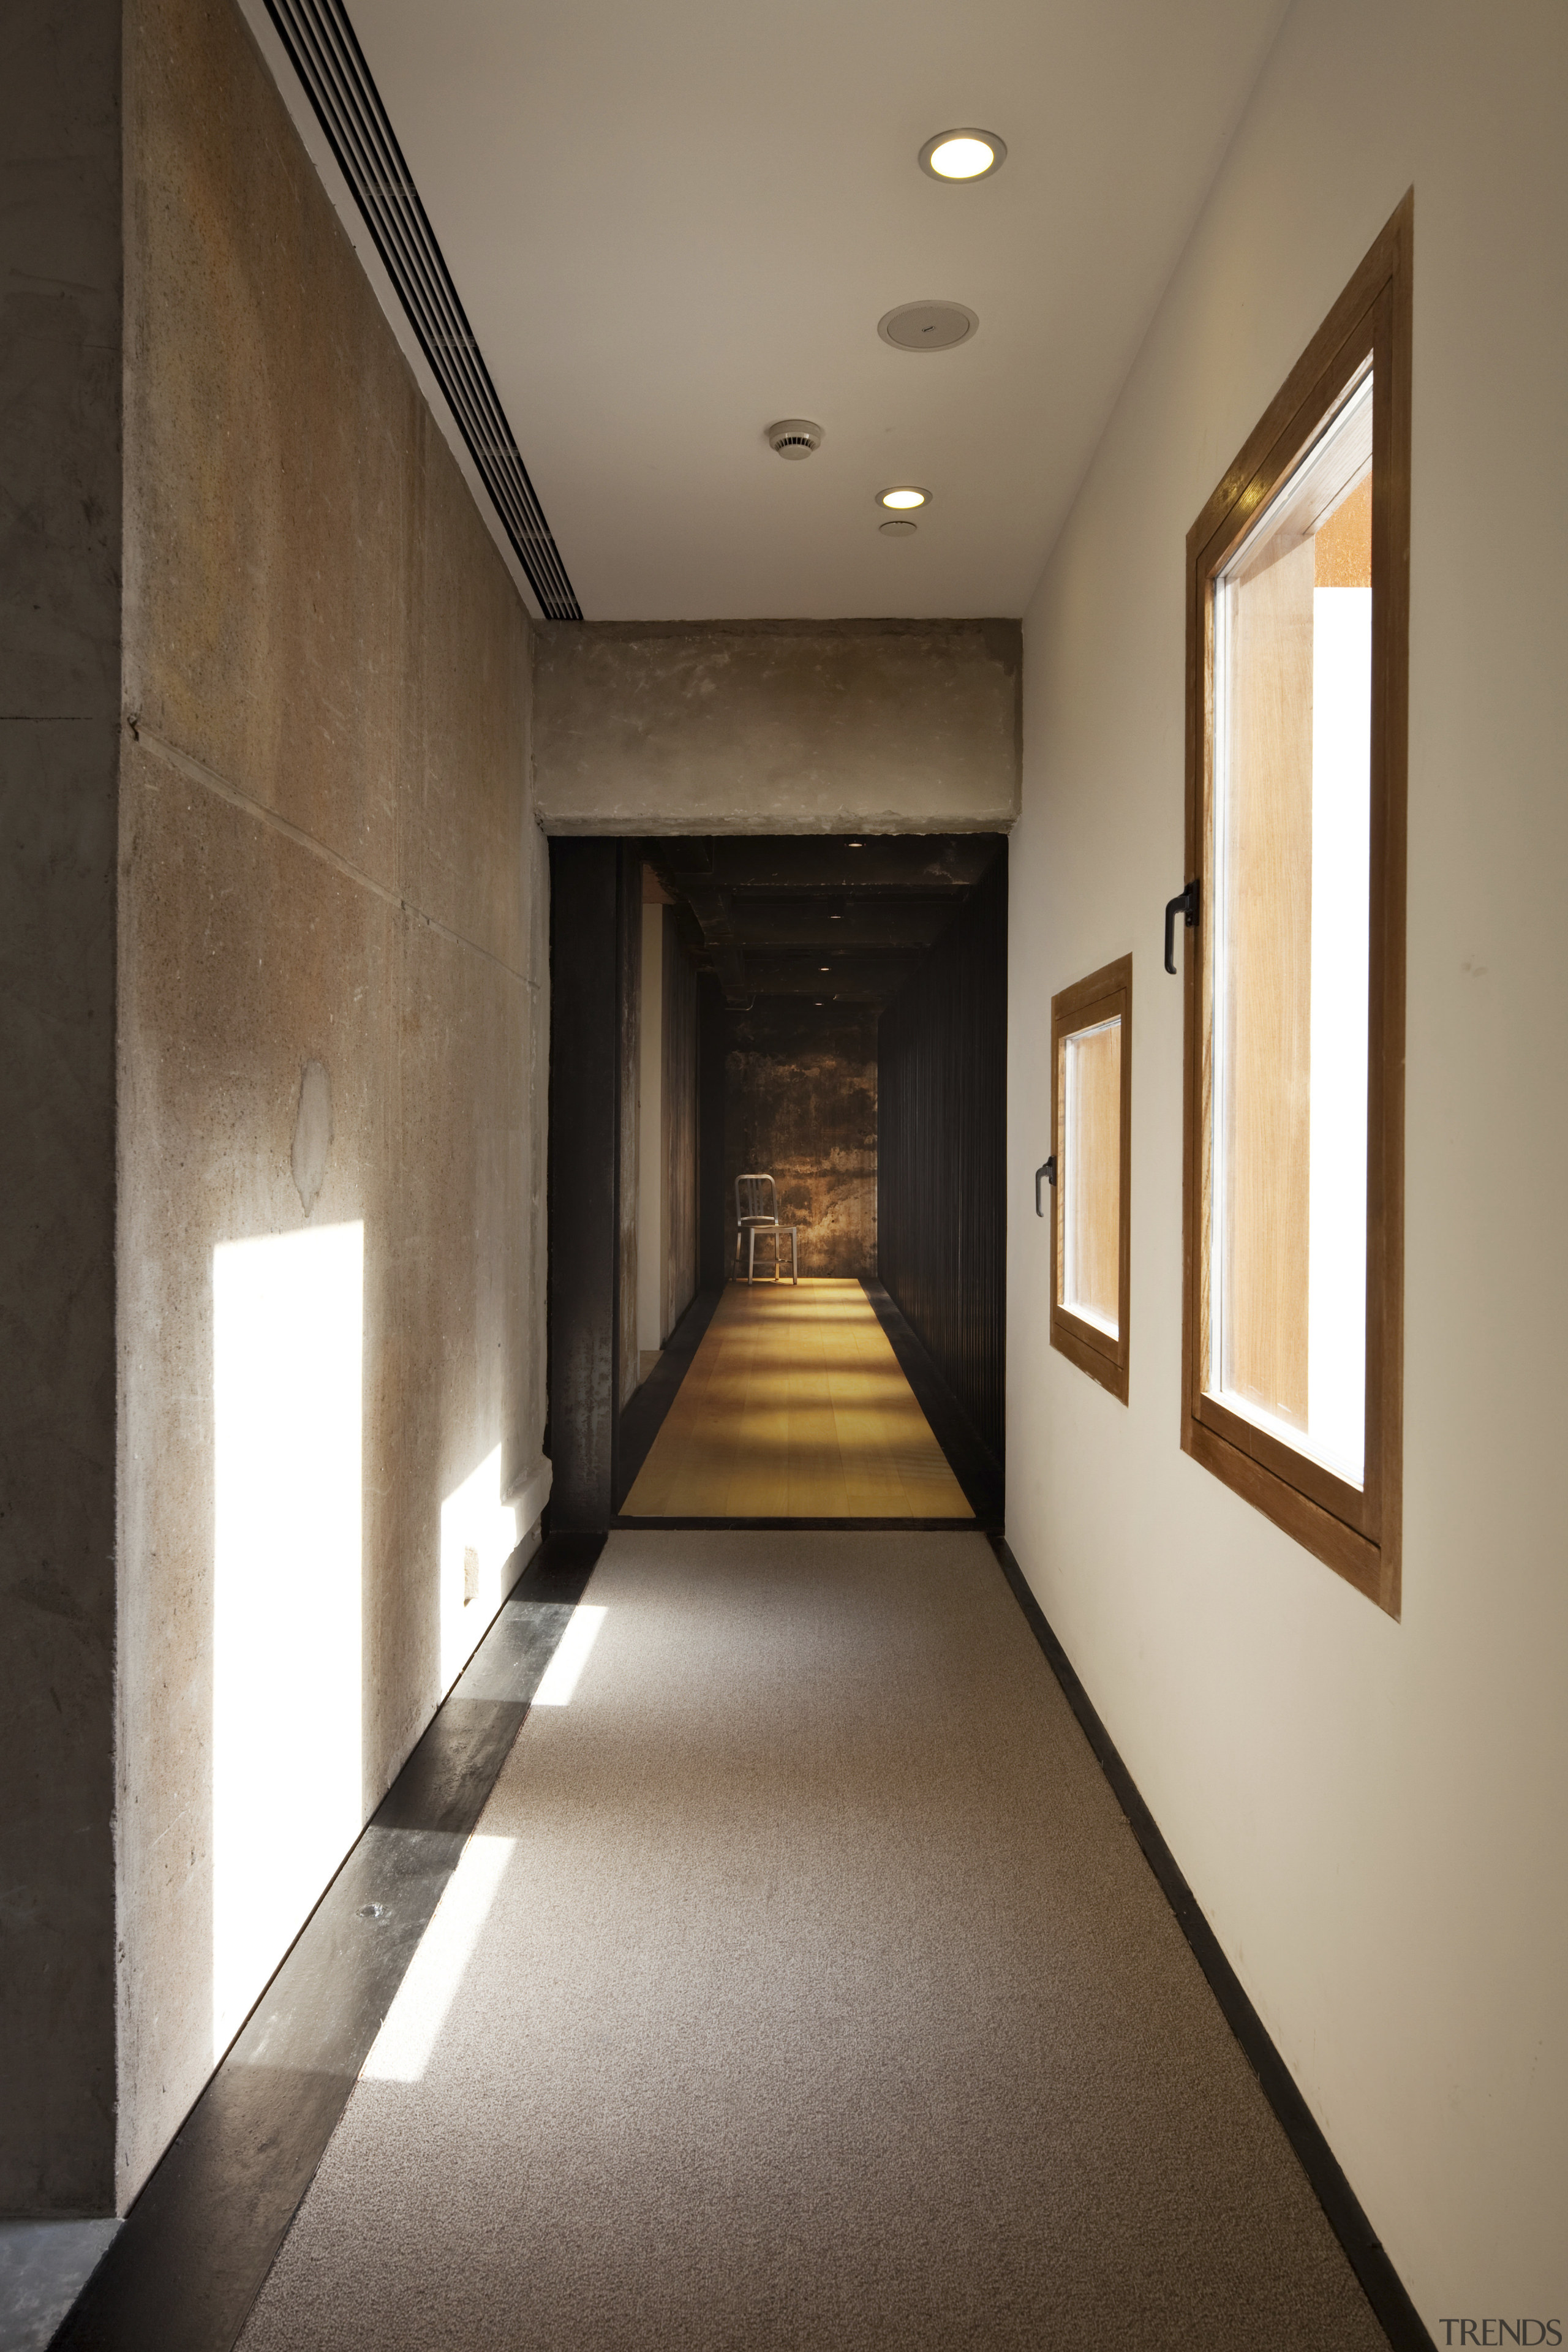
{"x": 805, "y": 1988}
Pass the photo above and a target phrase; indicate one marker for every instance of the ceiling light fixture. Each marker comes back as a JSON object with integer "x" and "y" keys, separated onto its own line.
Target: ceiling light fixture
{"x": 959, "y": 155}
{"x": 906, "y": 495}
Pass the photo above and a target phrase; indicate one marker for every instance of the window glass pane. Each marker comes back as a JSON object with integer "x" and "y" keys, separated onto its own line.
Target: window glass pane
{"x": 1088, "y": 1190}
{"x": 1290, "y": 952}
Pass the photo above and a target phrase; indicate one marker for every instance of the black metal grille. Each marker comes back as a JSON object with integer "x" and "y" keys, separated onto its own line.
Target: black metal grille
{"x": 328, "y": 59}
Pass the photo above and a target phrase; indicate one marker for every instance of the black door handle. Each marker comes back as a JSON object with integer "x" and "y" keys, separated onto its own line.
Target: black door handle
{"x": 1048, "y": 1169}
{"x": 1186, "y": 905}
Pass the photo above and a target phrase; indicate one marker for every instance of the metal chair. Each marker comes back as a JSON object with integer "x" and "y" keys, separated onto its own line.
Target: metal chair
{"x": 757, "y": 1212}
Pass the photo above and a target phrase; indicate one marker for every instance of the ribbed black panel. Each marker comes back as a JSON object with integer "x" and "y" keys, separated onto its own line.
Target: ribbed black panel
{"x": 941, "y": 1080}
{"x": 327, "y": 57}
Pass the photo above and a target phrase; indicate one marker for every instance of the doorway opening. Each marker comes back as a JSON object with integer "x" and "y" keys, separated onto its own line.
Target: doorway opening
{"x": 828, "y": 1012}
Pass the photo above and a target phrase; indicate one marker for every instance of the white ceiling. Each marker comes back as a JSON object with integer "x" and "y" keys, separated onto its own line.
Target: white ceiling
{"x": 670, "y": 225}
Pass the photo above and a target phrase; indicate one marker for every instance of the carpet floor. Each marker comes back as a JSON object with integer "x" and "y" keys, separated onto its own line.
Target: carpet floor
{"x": 804, "y": 1986}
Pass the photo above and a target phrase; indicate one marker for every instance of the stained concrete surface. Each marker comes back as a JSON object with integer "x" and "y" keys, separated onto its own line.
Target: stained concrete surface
{"x": 328, "y": 862}
{"x": 800, "y": 1104}
{"x": 44, "y": 2266}
{"x": 777, "y": 725}
{"x": 60, "y": 312}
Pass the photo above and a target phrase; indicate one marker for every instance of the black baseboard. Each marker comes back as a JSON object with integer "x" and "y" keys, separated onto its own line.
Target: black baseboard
{"x": 183, "y": 2274}
{"x": 1381, "y": 2283}
{"x": 973, "y": 1464}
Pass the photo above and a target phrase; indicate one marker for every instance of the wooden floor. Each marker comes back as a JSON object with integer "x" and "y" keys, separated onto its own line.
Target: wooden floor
{"x": 795, "y": 1407}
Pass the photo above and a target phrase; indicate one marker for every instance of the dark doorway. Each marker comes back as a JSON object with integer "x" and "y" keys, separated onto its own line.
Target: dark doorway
{"x": 832, "y": 1010}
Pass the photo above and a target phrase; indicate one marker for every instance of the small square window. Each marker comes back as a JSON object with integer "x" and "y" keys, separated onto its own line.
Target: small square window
{"x": 1092, "y": 1082}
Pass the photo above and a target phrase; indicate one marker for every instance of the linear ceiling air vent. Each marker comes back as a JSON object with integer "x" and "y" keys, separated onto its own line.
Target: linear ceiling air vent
{"x": 327, "y": 57}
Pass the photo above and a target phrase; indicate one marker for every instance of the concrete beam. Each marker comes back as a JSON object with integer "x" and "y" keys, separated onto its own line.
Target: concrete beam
{"x": 778, "y": 727}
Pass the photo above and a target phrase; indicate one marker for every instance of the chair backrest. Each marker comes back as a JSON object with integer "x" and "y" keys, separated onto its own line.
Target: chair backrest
{"x": 755, "y": 1201}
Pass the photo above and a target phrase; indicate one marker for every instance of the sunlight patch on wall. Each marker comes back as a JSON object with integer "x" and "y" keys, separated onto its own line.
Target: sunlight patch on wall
{"x": 401, "y": 2051}
{"x": 478, "y": 1535}
{"x": 288, "y": 1319}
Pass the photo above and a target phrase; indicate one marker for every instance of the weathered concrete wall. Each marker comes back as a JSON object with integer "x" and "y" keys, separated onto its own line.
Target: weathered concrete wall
{"x": 59, "y": 698}
{"x": 800, "y": 1103}
{"x": 332, "y": 971}
{"x": 777, "y": 725}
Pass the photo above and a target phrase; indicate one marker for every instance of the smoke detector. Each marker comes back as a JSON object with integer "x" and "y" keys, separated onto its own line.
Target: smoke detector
{"x": 795, "y": 437}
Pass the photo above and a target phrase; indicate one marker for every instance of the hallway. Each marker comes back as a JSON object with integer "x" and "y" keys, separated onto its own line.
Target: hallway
{"x": 606, "y": 616}
{"x": 795, "y": 1407}
{"x": 803, "y": 1986}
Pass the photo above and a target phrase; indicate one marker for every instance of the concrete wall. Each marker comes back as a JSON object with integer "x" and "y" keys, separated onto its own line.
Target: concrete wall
{"x": 778, "y": 727}
{"x": 800, "y": 1102}
{"x": 332, "y": 977}
{"x": 1370, "y": 1812}
{"x": 60, "y": 707}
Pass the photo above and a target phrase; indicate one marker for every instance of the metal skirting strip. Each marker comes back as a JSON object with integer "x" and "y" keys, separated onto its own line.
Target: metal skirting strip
{"x": 327, "y": 57}
{"x": 186, "y": 2267}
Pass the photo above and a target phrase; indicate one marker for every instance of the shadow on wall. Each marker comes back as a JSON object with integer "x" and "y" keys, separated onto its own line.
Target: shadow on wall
{"x": 800, "y": 1103}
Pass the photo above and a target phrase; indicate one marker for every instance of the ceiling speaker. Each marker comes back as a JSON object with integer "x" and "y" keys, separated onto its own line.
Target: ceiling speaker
{"x": 928, "y": 326}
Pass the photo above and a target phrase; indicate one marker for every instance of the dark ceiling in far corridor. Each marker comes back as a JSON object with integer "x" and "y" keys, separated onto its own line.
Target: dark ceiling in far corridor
{"x": 820, "y": 917}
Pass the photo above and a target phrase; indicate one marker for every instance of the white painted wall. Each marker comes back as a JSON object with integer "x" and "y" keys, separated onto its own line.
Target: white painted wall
{"x": 1371, "y": 1813}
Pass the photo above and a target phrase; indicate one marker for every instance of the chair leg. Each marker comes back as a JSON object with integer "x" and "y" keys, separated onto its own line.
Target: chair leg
{"x": 794, "y": 1252}
{"x": 752, "y": 1256}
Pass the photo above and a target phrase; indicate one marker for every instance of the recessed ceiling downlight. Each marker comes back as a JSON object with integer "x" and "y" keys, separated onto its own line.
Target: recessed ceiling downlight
{"x": 793, "y": 437}
{"x": 903, "y": 497}
{"x": 927, "y": 326}
{"x": 957, "y": 155}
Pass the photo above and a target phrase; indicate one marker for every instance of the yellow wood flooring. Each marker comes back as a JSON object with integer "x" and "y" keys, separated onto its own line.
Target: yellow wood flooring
{"x": 795, "y": 1407}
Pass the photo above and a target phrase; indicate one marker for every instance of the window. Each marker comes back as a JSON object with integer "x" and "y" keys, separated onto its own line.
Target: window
{"x": 1297, "y": 645}
{"x": 1091, "y": 1098}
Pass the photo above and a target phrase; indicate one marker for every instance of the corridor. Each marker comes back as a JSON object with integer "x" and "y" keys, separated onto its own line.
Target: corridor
{"x": 803, "y": 1986}
{"x": 630, "y": 632}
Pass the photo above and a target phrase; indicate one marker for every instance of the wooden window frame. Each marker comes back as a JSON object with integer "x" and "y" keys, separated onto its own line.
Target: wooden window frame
{"x": 1105, "y": 995}
{"x": 1356, "y": 1532}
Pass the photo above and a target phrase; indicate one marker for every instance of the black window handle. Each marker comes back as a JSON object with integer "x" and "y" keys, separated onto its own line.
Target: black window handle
{"x": 1048, "y": 1169}
{"x": 1185, "y": 905}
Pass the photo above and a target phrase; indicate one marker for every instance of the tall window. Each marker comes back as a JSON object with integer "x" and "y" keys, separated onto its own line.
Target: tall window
{"x": 1091, "y": 1095}
{"x": 1295, "y": 993}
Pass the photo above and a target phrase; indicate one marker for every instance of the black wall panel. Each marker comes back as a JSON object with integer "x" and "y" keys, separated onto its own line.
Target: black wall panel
{"x": 715, "y": 1241}
{"x": 942, "y": 1141}
{"x": 585, "y": 1090}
